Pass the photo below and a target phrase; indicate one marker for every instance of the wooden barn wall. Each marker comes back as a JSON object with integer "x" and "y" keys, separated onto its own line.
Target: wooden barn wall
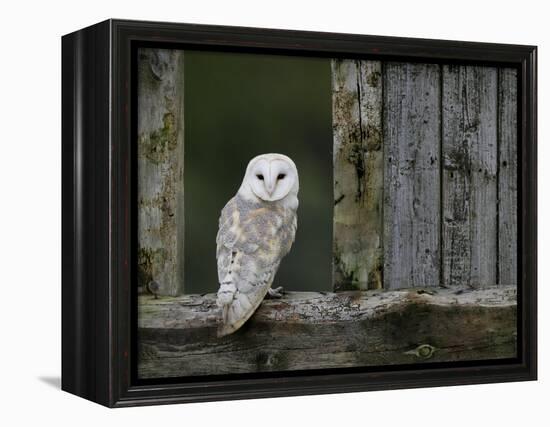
{"x": 425, "y": 174}
{"x": 425, "y": 183}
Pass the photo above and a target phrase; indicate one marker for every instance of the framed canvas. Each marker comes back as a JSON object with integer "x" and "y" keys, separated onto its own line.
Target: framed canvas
{"x": 258, "y": 213}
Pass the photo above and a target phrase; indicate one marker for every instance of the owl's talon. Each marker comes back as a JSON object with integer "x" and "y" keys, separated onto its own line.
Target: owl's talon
{"x": 275, "y": 293}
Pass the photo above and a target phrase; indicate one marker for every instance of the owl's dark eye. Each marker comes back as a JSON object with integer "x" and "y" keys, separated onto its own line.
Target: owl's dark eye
{"x": 281, "y": 176}
{"x": 260, "y": 177}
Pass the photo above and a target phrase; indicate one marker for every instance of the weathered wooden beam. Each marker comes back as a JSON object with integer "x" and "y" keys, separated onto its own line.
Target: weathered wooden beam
{"x": 507, "y": 177}
{"x": 358, "y": 174}
{"x": 469, "y": 175}
{"x": 412, "y": 114}
{"x": 177, "y": 336}
{"x": 160, "y": 170}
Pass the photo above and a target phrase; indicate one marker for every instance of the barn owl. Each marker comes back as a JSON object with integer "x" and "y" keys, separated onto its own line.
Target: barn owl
{"x": 256, "y": 230}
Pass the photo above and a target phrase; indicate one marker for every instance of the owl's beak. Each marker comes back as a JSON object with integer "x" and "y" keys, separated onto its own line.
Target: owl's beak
{"x": 270, "y": 186}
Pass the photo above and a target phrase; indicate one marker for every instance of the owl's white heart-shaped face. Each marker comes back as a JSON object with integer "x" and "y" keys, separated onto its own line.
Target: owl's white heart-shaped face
{"x": 271, "y": 177}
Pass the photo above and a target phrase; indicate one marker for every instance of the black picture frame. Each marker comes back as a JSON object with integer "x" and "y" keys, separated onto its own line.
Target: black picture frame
{"x": 98, "y": 187}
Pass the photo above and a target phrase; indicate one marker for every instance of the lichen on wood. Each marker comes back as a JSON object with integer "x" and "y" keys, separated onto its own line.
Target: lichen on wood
{"x": 160, "y": 170}
{"x": 357, "y": 162}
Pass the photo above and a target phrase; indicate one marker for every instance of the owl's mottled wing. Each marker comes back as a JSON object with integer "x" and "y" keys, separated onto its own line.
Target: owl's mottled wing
{"x": 250, "y": 246}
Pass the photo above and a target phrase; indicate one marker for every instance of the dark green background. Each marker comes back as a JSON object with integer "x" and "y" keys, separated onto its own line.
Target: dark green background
{"x": 236, "y": 107}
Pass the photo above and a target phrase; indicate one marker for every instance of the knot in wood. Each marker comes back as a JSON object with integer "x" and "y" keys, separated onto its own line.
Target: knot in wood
{"x": 423, "y": 351}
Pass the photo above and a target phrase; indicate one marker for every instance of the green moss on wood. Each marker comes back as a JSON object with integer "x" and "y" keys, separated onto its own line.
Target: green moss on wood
{"x": 156, "y": 145}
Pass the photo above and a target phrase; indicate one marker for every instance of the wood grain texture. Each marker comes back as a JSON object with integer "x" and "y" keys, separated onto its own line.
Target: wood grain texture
{"x": 507, "y": 177}
{"x": 177, "y": 336}
{"x": 160, "y": 170}
{"x": 358, "y": 174}
{"x": 469, "y": 176}
{"x": 411, "y": 175}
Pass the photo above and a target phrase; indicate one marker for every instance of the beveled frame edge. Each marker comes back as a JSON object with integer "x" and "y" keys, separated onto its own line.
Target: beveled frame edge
{"x": 108, "y": 321}
{"x": 85, "y": 244}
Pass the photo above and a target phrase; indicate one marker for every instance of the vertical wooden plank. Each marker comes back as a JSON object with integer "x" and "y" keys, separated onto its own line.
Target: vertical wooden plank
{"x": 160, "y": 170}
{"x": 469, "y": 175}
{"x": 507, "y": 177}
{"x": 358, "y": 173}
{"x": 411, "y": 175}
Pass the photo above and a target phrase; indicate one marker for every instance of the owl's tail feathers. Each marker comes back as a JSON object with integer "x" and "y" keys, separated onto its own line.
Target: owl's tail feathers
{"x": 226, "y": 293}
